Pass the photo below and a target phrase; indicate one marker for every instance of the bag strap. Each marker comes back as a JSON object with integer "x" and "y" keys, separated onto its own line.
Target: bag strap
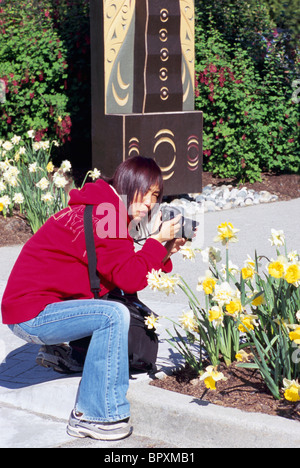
{"x": 91, "y": 251}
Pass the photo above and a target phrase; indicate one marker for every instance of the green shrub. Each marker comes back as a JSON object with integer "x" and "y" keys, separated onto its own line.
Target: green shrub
{"x": 44, "y": 65}
{"x": 251, "y": 122}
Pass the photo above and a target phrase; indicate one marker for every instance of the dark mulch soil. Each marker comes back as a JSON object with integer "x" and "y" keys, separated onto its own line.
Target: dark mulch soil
{"x": 285, "y": 186}
{"x": 14, "y": 230}
{"x": 244, "y": 389}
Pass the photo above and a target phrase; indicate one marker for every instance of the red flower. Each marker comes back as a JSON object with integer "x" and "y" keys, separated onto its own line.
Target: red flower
{"x": 212, "y": 68}
{"x": 31, "y": 95}
{"x": 244, "y": 137}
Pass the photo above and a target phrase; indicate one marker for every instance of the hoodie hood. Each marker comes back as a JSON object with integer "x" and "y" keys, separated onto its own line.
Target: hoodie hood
{"x": 94, "y": 194}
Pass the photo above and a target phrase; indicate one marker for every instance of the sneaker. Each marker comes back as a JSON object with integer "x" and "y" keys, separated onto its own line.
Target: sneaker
{"x": 100, "y": 431}
{"x": 58, "y": 357}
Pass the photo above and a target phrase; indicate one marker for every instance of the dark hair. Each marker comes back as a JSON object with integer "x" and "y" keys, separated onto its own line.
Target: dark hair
{"x": 136, "y": 176}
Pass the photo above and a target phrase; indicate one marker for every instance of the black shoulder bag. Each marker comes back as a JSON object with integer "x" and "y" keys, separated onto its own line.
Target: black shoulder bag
{"x": 142, "y": 342}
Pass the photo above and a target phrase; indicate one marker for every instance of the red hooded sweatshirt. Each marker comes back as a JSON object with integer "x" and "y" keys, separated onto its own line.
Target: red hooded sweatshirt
{"x": 53, "y": 266}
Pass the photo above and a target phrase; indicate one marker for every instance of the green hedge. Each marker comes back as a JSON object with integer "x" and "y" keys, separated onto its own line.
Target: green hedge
{"x": 44, "y": 66}
{"x": 244, "y": 85}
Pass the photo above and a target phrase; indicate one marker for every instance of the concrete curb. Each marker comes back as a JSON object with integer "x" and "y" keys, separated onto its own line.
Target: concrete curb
{"x": 178, "y": 420}
{"x": 191, "y": 423}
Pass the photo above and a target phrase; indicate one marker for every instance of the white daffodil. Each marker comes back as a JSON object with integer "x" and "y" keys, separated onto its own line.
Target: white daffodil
{"x": 277, "y": 238}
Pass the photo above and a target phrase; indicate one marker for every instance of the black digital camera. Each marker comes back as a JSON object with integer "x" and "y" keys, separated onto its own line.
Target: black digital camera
{"x": 188, "y": 226}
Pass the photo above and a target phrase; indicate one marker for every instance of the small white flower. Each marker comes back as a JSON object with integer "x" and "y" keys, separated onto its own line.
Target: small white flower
{"x": 188, "y": 322}
{"x": 47, "y": 197}
{"x": 5, "y": 201}
{"x": 95, "y": 174}
{"x": 293, "y": 256}
{"x": 45, "y": 145}
{"x": 36, "y": 146}
{"x": 188, "y": 251}
{"x": 151, "y": 322}
{"x": 16, "y": 140}
{"x": 277, "y": 238}
{"x": 31, "y": 134}
{"x": 18, "y": 198}
{"x": 60, "y": 181}
{"x": 224, "y": 293}
{"x": 211, "y": 254}
{"x": 43, "y": 184}
{"x": 66, "y": 166}
{"x": 33, "y": 167}
{"x": 8, "y": 146}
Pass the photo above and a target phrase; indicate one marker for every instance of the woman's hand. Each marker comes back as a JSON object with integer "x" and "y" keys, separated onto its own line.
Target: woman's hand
{"x": 173, "y": 247}
{"x": 167, "y": 230}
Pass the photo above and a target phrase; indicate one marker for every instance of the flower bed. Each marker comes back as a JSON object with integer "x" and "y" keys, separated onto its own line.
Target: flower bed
{"x": 29, "y": 181}
{"x": 250, "y": 315}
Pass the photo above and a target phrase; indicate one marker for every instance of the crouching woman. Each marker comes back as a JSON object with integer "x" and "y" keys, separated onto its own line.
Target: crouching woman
{"x": 48, "y": 298}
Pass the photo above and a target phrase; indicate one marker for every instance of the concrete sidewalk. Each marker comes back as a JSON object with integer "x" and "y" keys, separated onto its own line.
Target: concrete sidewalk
{"x": 35, "y": 403}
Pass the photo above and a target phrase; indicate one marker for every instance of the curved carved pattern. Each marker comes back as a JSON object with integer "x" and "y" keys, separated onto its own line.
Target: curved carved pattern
{"x": 134, "y": 147}
{"x": 193, "y": 153}
{"x": 165, "y": 136}
{"x": 118, "y": 15}
{"x": 188, "y": 50}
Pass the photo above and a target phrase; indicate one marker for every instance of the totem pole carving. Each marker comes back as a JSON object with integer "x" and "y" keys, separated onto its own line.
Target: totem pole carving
{"x": 143, "y": 88}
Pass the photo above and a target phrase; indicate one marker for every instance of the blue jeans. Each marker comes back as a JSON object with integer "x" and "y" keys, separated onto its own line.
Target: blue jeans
{"x": 102, "y": 392}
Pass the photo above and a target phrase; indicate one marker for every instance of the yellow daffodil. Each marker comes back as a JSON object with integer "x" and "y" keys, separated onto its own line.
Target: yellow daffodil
{"x": 215, "y": 314}
{"x": 211, "y": 376}
{"x": 248, "y": 322}
{"x": 50, "y": 167}
{"x": 207, "y": 283}
{"x": 292, "y": 274}
{"x": 295, "y": 334}
{"x": 226, "y": 233}
{"x": 234, "y": 307}
{"x": 242, "y": 356}
{"x": 292, "y": 390}
{"x": 224, "y": 294}
{"x": 259, "y": 300}
{"x": 247, "y": 273}
{"x": 1, "y": 207}
{"x": 276, "y": 269}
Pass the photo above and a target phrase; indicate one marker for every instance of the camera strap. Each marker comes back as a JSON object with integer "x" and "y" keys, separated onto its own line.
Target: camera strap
{"x": 91, "y": 251}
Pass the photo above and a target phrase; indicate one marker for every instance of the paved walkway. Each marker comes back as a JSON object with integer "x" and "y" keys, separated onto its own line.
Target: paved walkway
{"x": 35, "y": 403}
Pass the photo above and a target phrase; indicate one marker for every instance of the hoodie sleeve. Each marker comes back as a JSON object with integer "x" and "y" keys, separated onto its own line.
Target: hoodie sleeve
{"x": 119, "y": 264}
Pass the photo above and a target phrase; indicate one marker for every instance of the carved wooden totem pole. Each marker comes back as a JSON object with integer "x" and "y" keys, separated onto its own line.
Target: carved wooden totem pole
{"x": 143, "y": 88}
